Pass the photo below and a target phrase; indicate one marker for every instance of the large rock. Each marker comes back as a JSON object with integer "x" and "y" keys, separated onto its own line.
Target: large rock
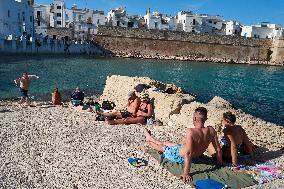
{"x": 117, "y": 88}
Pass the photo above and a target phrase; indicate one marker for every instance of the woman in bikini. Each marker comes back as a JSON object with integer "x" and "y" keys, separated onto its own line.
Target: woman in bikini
{"x": 145, "y": 111}
{"x": 235, "y": 140}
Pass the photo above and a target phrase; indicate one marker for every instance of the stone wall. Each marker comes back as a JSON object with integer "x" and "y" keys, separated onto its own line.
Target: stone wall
{"x": 60, "y": 32}
{"x": 278, "y": 51}
{"x": 142, "y": 43}
{"x": 181, "y": 36}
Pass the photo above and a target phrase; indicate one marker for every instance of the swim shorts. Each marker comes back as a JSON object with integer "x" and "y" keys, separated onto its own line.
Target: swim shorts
{"x": 126, "y": 114}
{"x": 24, "y": 93}
{"x": 172, "y": 153}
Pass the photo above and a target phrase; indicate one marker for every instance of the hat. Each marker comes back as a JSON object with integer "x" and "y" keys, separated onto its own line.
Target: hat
{"x": 144, "y": 96}
{"x": 139, "y": 88}
{"x": 130, "y": 94}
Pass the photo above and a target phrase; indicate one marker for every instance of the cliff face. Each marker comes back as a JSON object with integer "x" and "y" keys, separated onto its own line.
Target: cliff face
{"x": 176, "y": 110}
{"x": 141, "y": 43}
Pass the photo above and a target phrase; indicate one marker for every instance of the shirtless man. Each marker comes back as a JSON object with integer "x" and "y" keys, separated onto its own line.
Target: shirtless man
{"x": 193, "y": 145}
{"x": 145, "y": 111}
{"x": 25, "y": 81}
{"x": 132, "y": 108}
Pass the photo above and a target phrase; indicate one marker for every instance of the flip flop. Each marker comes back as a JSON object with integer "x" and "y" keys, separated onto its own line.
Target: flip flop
{"x": 137, "y": 162}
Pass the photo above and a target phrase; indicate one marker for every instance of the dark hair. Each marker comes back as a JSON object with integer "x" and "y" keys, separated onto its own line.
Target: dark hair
{"x": 229, "y": 116}
{"x": 202, "y": 111}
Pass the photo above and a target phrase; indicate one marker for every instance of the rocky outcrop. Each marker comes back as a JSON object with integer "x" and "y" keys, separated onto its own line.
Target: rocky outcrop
{"x": 117, "y": 88}
{"x": 176, "y": 110}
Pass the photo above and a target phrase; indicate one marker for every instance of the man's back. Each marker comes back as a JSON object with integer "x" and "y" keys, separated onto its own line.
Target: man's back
{"x": 201, "y": 138}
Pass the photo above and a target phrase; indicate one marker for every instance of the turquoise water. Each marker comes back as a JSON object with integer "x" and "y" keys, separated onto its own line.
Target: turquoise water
{"x": 258, "y": 90}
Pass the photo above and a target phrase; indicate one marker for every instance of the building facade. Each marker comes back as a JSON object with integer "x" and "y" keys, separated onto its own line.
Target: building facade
{"x": 16, "y": 18}
{"x": 82, "y": 22}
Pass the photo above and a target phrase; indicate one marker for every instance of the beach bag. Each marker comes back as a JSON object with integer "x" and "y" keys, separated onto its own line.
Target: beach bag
{"x": 209, "y": 184}
{"x": 107, "y": 105}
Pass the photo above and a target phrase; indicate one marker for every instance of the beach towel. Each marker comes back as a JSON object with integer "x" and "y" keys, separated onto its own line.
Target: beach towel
{"x": 204, "y": 168}
{"x": 263, "y": 172}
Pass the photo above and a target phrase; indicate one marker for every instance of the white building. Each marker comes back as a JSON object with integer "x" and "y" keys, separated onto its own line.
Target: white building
{"x": 246, "y": 31}
{"x": 263, "y": 30}
{"x": 58, "y": 11}
{"x": 160, "y": 22}
{"x": 118, "y": 18}
{"x": 82, "y": 22}
{"x": 16, "y": 18}
{"x": 199, "y": 23}
{"x": 42, "y": 19}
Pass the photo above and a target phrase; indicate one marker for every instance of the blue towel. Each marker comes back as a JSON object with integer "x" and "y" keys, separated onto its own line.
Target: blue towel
{"x": 209, "y": 184}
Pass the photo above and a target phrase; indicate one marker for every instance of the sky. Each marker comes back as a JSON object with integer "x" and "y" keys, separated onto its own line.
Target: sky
{"x": 248, "y": 12}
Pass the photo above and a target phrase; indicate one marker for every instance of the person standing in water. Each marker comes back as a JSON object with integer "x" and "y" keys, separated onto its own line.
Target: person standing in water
{"x": 24, "y": 82}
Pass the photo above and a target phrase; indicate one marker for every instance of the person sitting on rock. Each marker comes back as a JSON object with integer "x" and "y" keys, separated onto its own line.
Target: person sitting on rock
{"x": 194, "y": 144}
{"x": 145, "y": 111}
{"x": 235, "y": 140}
{"x": 132, "y": 108}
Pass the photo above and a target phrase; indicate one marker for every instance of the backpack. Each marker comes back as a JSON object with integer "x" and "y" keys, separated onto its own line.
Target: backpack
{"x": 107, "y": 105}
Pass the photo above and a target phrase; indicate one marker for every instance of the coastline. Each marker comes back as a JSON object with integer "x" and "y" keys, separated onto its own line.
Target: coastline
{"x": 136, "y": 55}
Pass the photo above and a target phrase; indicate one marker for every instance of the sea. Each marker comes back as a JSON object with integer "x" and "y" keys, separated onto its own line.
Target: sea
{"x": 256, "y": 89}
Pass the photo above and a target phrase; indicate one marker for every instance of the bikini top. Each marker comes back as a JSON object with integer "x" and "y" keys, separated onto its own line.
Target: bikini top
{"x": 144, "y": 109}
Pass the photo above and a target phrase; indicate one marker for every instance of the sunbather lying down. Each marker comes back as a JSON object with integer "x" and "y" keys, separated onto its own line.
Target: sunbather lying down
{"x": 145, "y": 111}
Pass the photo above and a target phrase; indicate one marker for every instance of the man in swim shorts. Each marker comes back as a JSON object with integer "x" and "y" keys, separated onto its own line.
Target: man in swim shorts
{"x": 194, "y": 144}
{"x": 24, "y": 82}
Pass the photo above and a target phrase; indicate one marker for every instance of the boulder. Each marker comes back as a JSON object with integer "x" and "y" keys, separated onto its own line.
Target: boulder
{"x": 117, "y": 88}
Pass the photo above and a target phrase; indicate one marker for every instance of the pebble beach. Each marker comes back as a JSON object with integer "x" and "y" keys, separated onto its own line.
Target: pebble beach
{"x": 55, "y": 147}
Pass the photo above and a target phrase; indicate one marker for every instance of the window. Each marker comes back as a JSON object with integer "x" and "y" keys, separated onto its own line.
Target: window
{"x": 215, "y": 22}
{"x": 80, "y": 27}
{"x": 156, "y": 25}
{"x": 38, "y": 22}
{"x": 9, "y": 13}
{"x": 58, "y": 22}
{"x": 23, "y": 14}
{"x": 193, "y": 31}
{"x": 31, "y": 18}
{"x": 58, "y": 7}
{"x": 210, "y": 21}
{"x": 193, "y": 22}
{"x": 38, "y": 13}
{"x": 98, "y": 22}
{"x": 184, "y": 21}
{"x": 79, "y": 17}
{"x": 58, "y": 14}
